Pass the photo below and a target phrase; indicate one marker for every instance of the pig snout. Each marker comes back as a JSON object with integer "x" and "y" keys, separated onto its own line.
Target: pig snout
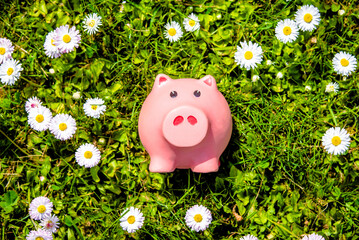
{"x": 185, "y": 126}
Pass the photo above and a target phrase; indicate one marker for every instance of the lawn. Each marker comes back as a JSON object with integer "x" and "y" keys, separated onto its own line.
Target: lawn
{"x": 276, "y": 179}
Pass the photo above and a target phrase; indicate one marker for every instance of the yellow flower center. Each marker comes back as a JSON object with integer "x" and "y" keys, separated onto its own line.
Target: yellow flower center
{"x": 39, "y": 238}
{"x": 62, "y": 126}
{"x": 172, "y": 32}
{"x": 66, "y": 38}
{"x": 39, "y": 118}
{"x": 308, "y": 17}
{"x": 131, "y": 219}
{"x": 94, "y": 107}
{"x": 248, "y": 55}
{"x": 336, "y": 141}
{"x": 2, "y": 50}
{"x": 287, "y": 30}
{"x": 41, "y": 209}
{"x": 88, "y": 154}
{"x": 198, "y": 218}
{"x": 10, "y": 71}
{"x": 331, "y": 87}
{"x": 344, "y": 62}
{"x": 52, "y": 42}
{"x": 192, "y": 23}
{"x": 92, "y": 23}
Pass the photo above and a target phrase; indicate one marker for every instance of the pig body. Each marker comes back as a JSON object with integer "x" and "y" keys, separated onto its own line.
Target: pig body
{"x": 185, "y": 123}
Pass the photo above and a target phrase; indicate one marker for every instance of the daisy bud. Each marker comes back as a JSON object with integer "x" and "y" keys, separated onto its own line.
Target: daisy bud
{"x": 51, "y": 70}
{"x": 279, "y": 75}
{"x": 308, "y": 88}
{"x": 255, "y": 78}
{"x": 341, "y": 12}
{"x": 76, "y": 95}
{"x": 268, "y": 62}
{"x": 313, "y": 40}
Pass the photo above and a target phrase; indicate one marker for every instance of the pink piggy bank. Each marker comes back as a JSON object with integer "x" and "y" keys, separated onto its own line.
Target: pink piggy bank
{"x": 185, "y": 123}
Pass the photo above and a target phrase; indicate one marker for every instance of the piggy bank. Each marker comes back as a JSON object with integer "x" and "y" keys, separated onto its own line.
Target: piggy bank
{"x": 185, "y": 123}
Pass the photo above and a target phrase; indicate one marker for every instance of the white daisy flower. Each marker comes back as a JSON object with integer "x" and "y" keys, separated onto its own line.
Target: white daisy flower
{"x": 40, "y": 208}
{"x": 10, "y": 71}
{"x": 88, "y": 155}
{"x": 92, "y": 23}
{"x": 132, "y": 220}
{"x": 63, "y": 126}
{"x": 249, "y": 55}
{"x": 336, "y": 140}
{"x": 191, "y": 23}
{"x": 66, "y": 38}
{"x": 39, "y": 118}
{"x": 173, "y": 31}
{"x": 198, "y": 218}
{"x": 313, "y": 236}
{"x": 32, "y": 103}
{"x": 307, "y": 17}
{"x": 94, "y": 107}
{"x": 344, "y": 63}
{"x": 50, "y": 224}
{"x": 286, "y": 30}
{"x": 39, "y": 235}
{"x": 332, "y": 87}
{"x": 6, "y": 49}
{"x": 249, "y": 237}
{"x": 51, "y": 50}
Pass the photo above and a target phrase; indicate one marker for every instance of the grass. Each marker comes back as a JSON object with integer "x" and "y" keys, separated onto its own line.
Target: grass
{"x": 275, "y": 180}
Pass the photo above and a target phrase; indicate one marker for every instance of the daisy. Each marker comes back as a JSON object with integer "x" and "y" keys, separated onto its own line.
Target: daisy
{"x": 173, "y": 31}
{"x": 286, "y": 31}
{"x": 249, "y": 237}
{"x": 51, "y": 50}
{"x": 32, "y": 103}
{"x": 249, "y": 55}
{"x": 344, "y": 63}
{"x": 198, "y": 218}
{"x": 88, "y": 155}
{"x": 307, "y": 17}
{"x": 332, "y": 87}
{"x": 341, "y": 12}
{"x": 66, "y": 38}
{"x": 132, "y": 220}
{"x": 39, "y": 118}
{"x": 92, "y": 23}
{"x": 40, "y": 208}
{"x": 313, "y": 237}
{"x": 6, "y": 49}
{"x": 94, "y": 107}
{"x": 191, "y": 23}
{"x": 10, "y": 71}
{"x": 50, "y": 224}
{"x": 336, "y": 140}
{"x": 63, "y": 126}
{"x": 308, "y": 88}
{"x": 39, "y": 235}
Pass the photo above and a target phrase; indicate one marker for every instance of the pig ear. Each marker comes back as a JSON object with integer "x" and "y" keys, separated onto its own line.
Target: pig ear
{"x": 209, "y": 81}
{"x": 161, "y": 80}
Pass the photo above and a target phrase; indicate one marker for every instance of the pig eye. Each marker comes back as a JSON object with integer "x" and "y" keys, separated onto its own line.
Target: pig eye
{"x": 173, "y": 94}
{"x": 197, "y": 93}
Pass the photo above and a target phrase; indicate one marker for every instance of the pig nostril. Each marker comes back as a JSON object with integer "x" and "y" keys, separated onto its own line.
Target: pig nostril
{"x": 192, "y": 120}
{"x": 178, "y": 120}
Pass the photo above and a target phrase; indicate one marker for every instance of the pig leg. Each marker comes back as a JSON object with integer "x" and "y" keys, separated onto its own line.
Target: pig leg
{"x": 210, "y": 165}
{"x": 163, "y": 162}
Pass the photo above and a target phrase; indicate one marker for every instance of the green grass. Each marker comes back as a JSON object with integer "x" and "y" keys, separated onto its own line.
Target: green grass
{"x": 275, "y": 180}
